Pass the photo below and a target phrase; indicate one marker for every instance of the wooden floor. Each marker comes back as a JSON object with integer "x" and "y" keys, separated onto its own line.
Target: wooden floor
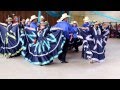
{"x": 77, "y": 68}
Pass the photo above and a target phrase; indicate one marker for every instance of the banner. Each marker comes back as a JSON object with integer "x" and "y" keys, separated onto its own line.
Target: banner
{"x": 55, "y": 14}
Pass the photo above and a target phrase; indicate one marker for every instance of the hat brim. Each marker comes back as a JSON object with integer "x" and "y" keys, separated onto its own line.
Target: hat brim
{"x": 33, "y": 18}
{"x": 7, "y": 20}
{"x": 42, "y": 18}
{"x": 43, "y": 23}
{"x": 86, "y": 20}
{"x": 96, "y": 23}
{"x": 59, "y": 20}
{"x": 62, "y": 18}
{"x": 74, "y": 22}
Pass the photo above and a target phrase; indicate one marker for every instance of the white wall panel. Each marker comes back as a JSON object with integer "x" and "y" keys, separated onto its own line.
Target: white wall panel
{"x": 93, "y": 16}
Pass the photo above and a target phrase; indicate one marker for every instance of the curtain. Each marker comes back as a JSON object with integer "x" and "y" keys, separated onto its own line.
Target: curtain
{"x": 55, "y": 14}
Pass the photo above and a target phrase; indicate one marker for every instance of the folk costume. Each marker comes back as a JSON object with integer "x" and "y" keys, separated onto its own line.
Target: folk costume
{"x": 46, "y": 48}
{"x": 10, "y": 37}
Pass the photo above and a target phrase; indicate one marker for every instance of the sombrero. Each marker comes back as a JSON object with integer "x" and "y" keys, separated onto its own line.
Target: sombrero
{"x": 33, "y": 17}
{"x": 63, "y": 17}
{"x": 9, "y": 19}
{"x": 86, "y": 19}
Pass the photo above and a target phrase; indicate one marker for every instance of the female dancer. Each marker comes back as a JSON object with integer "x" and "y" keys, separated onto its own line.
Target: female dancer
{"x": 45, "y": 48}
{"x": 10, "y": 35}
{"x": 99, "y": 42}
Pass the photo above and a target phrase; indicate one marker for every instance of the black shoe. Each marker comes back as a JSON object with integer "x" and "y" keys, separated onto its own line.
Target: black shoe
{"x": 10, "y": 57}
{"x": 76, "y": 50}
{"x": 60, "y": 59}
{"x": 64, "y": 62}
{"x": 51, "y": 61}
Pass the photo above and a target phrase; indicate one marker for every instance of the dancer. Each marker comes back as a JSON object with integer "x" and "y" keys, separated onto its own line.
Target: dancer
{"x": 22, "y": 24}
{"x": 33, "y": 21}
{"x": 42, "y": 19}
{"x": 86, "y": 22}
{"x": 46, "y": 47}
{"x": 85, "y": 33}
{"x": 10, "y": 35}
{"x": 67, "y": 28}
{"x": 99, "y": 42}
{"x": 76, "y": 41}
{"x": 27, "y": 22}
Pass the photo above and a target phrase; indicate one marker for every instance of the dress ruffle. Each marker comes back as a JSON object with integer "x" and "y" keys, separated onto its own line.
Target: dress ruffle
{"x": 45, "y": 50}
{"x": 10, "y": 39}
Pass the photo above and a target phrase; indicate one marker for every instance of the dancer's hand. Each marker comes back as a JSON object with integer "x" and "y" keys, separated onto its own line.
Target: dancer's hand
{"x": 35, "y": 41}
{"x": 71, "y": 36}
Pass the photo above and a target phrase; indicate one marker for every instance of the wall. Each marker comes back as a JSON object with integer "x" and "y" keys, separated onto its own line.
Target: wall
{"x": 112, "y": 14}
{"x": 22, "y": 14}
{"x": 27, "y": 14}
{"x": 79, "y": 15}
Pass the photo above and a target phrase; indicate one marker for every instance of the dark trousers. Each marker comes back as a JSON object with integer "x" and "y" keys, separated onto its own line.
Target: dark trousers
{"x": 118, "y": 34}
{"x": 76, "y": 44}
{"x": 62, "y": 56}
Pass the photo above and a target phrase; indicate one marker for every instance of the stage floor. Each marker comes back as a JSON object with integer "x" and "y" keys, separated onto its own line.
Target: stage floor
{"x": 77, "y": 68}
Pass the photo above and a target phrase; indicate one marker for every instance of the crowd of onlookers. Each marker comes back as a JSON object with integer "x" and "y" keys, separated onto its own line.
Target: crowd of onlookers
{"x": 114, "y": 30}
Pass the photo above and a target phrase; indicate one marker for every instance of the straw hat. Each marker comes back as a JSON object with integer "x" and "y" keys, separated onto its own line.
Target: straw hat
{"x": 59, "y": 20}
{"x": 63, "y": 17}
{"x": 74, "y": 22}
{"x": 86, "y": 19}
{"x": 42, "y": 17}
{"x": 33, "y": 17}
{"x": 9, "y": 19}
{"x": 94, "y": 21}
{"x": 97, "y": 22}
{"x": 27, "y": 20}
